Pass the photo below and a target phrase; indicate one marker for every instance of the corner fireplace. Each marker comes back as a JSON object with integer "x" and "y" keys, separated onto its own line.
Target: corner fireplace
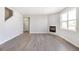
{"x": 52, "y": 28}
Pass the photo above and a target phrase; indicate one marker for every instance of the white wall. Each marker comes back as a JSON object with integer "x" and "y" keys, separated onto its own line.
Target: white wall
{"x": 12, "y": 27}
{"x": 2, "y": 29}
{"x": 38, "y": 24}
{"x": 70, "y": 36}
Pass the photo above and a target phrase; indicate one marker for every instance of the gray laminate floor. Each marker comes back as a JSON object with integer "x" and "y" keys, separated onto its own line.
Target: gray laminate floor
{"x": 37, "y": 42}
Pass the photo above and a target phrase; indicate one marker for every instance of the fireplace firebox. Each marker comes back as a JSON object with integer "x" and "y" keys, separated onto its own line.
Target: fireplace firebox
{"x": 52, "y": 28}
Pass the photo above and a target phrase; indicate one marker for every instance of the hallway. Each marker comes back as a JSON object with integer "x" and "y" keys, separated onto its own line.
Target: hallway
{"x": 37, "y": 42}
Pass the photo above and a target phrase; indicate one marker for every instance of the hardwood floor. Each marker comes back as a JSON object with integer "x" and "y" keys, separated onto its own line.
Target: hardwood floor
{"x": 37, "y": 42}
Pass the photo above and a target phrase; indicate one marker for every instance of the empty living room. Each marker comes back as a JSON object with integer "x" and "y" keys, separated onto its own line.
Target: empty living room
{"x": 39, "y": 29}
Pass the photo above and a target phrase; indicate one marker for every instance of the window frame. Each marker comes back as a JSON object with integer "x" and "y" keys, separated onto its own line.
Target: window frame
{"x": 66, "y": 10}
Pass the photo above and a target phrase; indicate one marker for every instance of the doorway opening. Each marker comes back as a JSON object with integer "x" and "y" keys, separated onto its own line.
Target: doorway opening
{"x": 26, "y": 25}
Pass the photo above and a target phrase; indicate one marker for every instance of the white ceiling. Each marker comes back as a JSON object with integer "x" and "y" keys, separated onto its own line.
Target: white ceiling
{"x": 38, "y": 10}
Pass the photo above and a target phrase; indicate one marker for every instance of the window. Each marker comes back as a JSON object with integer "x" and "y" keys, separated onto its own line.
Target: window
{"x": 68, "y": 19}
{"x": 64, "y": 20}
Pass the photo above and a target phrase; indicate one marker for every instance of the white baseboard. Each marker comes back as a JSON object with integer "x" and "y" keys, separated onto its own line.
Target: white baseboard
{"x": 73, "y": 43}
{"x": 9, "y": 39}
{"x": 39, "y": 33}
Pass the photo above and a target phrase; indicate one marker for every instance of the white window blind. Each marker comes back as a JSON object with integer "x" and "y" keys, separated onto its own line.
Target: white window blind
{"x": 68, "y": 19}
